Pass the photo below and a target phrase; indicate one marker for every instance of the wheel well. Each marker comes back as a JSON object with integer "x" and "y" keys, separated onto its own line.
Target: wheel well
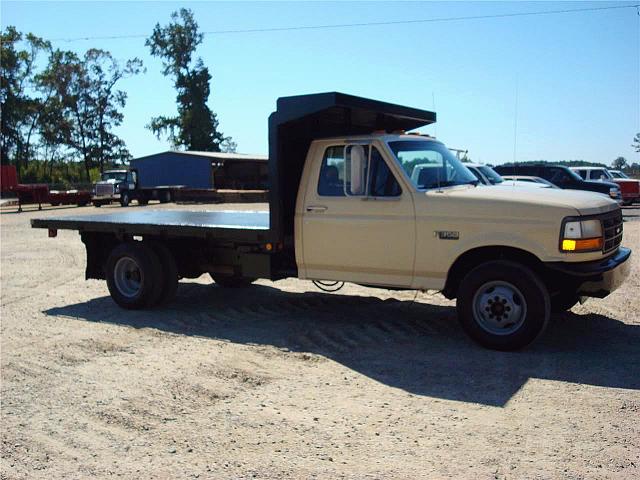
{"x": 472, "y": 258}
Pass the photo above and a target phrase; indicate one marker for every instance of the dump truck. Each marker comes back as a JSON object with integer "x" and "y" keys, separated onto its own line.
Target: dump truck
{"x": 344, "y": 206}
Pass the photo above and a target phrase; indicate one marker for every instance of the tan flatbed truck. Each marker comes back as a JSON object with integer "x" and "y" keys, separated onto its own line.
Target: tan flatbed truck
{"x": 355, "y": 198}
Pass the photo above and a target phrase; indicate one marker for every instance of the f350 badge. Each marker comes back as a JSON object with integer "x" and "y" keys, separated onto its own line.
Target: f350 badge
{"x": 447, "y": 235}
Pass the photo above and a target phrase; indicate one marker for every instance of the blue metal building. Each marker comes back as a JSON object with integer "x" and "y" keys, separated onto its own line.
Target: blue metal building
{"x": 192, "y": 169}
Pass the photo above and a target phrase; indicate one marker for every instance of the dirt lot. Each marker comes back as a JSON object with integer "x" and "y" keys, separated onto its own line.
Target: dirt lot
{"x": 282, "y": 381}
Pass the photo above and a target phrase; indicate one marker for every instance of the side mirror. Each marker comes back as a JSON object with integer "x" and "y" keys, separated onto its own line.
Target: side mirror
{"x": 356, "y": 168}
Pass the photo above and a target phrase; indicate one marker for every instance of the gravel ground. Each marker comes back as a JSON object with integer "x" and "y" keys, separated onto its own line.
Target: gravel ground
{"x": 282, "y": 381}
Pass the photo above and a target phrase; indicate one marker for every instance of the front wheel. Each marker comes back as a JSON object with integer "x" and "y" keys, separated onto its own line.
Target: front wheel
{"x": 503, "y": 305}
{"x": 125, "y": 199}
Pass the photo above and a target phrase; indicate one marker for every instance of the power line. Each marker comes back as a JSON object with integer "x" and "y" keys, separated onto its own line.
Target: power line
{"x": 365, "y": 24}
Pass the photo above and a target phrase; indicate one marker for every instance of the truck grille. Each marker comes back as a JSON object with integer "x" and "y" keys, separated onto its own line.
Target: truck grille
{"x": 104, "y": 190}
{"x": 612, "y": 227}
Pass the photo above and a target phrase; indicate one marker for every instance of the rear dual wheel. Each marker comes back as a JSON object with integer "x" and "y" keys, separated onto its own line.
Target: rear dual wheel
{"x": 141, "y": 275}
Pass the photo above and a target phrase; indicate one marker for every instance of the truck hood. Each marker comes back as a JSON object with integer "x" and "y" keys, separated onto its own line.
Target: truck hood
{"x": 608, "y": 183}
{"x": 585, "y": 203}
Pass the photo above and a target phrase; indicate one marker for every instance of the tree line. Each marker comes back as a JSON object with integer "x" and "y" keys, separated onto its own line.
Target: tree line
{"x": 59, "y": 109}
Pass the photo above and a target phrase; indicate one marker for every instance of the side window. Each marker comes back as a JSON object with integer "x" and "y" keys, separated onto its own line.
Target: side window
{"x": 331, "y": 181}
{"x": 336, "y": 175}
{"x": 583, "y": 174}
{"x": 558, "y": 176}
{"x": 546, "y": 173}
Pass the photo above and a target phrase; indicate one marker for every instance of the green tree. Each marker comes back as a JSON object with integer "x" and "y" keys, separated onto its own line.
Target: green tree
{"x": 20, "y": 104}
{"x": 86, "y": 106}
{"x": 196, "y": 126}
{"x": 619, "y": 163}
{"x": 104, "y": 73}
{"x": 636, "y": 142}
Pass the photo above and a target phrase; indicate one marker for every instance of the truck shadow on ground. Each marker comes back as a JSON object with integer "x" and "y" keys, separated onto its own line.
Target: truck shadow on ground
{"x": 417, "y": 347}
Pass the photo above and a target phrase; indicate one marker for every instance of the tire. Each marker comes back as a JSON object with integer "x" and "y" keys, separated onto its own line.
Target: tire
{"x": 55, "y": 204}
{"x": 134, "y": 275}
{"x": 231, "y": 281}
{"x": 503, "y": 305}
{"x": 125, "y": 199}
{"x": 97, "y": 204}
{"x": 165, "y": 197}
{"x": 143, "y": 201}
{"x": 169, "y": 273}
{"x": 563, "y": 302}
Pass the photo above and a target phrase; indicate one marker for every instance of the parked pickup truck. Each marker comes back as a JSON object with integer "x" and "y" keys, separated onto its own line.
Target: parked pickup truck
{"x": 629, "y": 187}
{"x": 562, "y": 177}
{"x": 344, "y": 206}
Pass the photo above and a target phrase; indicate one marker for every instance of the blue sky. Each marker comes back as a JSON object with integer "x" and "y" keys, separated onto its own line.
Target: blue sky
{"x": 577, "y": 75}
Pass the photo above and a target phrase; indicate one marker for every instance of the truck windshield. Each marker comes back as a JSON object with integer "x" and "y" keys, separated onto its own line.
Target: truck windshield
{"x": 430, "y": 164}
{"x": 491, "y": 174}
{"x": 118, "y": 176}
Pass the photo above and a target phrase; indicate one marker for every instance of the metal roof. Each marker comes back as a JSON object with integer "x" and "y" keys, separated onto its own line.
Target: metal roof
{"x": 213, "y": 155}
{"x": 223, "y": 156}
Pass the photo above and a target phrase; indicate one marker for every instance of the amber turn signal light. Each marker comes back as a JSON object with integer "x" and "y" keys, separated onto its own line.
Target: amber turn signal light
{"x": 581, "y": 245}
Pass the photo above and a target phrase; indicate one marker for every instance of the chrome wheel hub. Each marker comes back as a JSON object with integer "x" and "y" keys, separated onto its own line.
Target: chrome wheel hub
{"x": 127, "y": 277}
{"x": 499, "y": 308}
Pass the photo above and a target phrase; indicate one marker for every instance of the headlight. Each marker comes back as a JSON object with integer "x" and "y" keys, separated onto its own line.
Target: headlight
{"x": 581, "y": 236}
{"x": 614, "y": 192}
{"x": 117, "y": 188}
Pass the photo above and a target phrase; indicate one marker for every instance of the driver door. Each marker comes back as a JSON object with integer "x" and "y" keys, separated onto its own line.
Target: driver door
{"x": 358, "y": 220}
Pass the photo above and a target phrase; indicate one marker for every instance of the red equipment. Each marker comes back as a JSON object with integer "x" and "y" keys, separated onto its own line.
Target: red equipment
{"x": 39, "y": 192}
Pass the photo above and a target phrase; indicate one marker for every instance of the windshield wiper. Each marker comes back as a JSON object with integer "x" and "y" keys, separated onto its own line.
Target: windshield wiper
{"x": 450, "y": 183}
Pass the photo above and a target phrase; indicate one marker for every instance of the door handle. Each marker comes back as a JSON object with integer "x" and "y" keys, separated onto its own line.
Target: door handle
{"x": 316, "y": 208}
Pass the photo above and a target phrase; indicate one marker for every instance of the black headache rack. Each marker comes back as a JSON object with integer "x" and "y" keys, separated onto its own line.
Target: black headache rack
{"x": 300, "y": 119}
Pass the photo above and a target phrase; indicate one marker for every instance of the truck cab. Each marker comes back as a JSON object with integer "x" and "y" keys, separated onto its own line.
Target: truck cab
{"x": 364, "y": 215}
{"x": 114, "y": 185}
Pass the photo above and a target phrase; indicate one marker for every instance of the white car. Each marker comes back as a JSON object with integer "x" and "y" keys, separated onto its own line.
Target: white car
{"x": 530, "y": 179}
{"x": 488, "y": 176}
